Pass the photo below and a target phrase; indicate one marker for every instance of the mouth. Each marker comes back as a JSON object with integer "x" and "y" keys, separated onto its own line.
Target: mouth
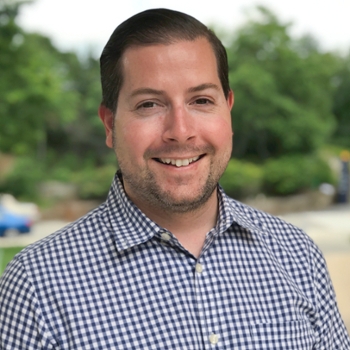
{"x": 178, "y": 162}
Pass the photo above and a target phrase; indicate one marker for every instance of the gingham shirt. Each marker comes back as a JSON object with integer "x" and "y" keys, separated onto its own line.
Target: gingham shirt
{"x": 116, "y": 280}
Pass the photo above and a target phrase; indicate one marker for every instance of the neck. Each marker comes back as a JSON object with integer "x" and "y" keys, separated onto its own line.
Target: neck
{"x": 190, "y": 228}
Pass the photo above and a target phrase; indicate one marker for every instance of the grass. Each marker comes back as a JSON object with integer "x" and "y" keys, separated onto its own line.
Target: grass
{"x": 6, "y": 255}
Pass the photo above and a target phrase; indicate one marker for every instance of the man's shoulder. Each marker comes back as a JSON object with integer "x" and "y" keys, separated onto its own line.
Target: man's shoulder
{"x": 284, "y": 241}
{"x": 268, "y": 225}
{"x": 74, "y": 237}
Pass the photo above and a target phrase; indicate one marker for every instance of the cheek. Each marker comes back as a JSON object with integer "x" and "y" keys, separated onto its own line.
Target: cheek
{"x": 220, "y": 133}
{"x": 134, "y": 138}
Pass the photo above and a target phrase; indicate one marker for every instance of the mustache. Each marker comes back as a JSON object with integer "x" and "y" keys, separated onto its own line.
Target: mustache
{"x": 178, "y": 150}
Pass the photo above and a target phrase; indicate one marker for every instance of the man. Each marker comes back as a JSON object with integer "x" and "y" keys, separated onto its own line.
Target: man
{"x": 169, "y": 261}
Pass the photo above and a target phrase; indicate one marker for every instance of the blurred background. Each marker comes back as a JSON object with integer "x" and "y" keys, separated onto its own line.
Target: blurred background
{"x": 289, "y": 70}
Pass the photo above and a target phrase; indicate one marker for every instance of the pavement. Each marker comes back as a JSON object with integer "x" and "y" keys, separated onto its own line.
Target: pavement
{"x": 330, "y": 229}
{"x": 39, "y": 230}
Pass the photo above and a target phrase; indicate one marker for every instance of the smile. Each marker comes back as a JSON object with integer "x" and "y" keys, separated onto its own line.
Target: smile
{"x": 178, "y": 162}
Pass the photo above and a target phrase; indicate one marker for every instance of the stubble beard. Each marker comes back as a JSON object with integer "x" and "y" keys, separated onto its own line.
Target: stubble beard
{"x": 144, "y": 185}
{"x": 147, "y": 188}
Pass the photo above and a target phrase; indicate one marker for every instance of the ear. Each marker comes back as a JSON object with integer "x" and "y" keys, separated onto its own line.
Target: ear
{"x": 107, "y": 116}
{"x": 230, "y": 99}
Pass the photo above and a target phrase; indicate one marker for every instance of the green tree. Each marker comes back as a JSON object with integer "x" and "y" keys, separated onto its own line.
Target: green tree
{"x": 283, "y": 90}
{"x": 84, "y": 135}
{"x": 341, "y": 104}
{"x": 35, "y": 88}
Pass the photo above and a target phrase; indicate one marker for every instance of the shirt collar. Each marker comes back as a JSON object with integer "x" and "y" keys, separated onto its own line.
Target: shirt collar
{"x": 243, "y": 215}
{"x": 131, "y": 226}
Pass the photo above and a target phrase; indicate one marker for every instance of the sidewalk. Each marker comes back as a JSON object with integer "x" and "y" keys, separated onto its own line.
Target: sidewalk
{"x": 330, "y": 229}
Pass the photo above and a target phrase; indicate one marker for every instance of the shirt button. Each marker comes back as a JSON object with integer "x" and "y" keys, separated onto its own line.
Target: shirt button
{"x": 213, "y": 338}
{"x": 165, "y": 236}
{"x": 199, "y": 268}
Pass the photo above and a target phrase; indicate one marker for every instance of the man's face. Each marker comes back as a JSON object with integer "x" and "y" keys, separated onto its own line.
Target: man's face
{"x": 172, "y": 130}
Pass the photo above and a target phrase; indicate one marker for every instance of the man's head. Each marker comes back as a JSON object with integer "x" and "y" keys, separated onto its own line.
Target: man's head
{"x": 166, "y": 110}
{"x": 156, "y": 26}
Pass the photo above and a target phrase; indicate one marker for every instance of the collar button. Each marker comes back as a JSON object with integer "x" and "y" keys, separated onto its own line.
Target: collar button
{"x": 165, "y": 236}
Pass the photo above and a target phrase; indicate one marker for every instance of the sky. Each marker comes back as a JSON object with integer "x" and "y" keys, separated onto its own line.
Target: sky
{"x": 82, "y": 25}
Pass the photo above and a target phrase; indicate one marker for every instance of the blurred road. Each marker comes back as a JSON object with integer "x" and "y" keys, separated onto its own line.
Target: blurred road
{"x": 330, "y": 229}
{"x": 39, "y": 230}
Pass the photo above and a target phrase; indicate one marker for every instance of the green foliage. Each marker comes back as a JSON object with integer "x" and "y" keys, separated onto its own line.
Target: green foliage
{"x": 283, "y": 90}
{"x": 294, "y": 174}
{"x": 290, "y": 98}
{"x": 94, "y": 183}
{"x": 341, "y": 104}
{"x": 33, "y": 86}
{"x": 49, "y": 99}
{"x": 241, "y": 179}
{"x": 23, "y": 181}
{"x": 6, "y": 255}
{"x": 85, "y": 134}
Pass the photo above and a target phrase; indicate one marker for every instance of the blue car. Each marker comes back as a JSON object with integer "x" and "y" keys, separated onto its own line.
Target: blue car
{"x": 10, "y": 222}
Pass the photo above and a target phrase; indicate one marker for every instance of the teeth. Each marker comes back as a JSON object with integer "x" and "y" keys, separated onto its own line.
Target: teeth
{"x": 178, "y": 162}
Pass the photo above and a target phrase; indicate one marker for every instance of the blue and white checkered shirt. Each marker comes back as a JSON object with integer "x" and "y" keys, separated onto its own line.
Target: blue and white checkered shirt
{"x": 116, "y": 280}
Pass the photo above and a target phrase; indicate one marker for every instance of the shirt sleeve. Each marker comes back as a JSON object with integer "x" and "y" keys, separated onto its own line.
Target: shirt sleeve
{"x": 22, "y": 326}
{"x": 331, "y": 333}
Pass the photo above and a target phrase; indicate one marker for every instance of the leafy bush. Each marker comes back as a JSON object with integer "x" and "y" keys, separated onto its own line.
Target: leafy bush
{"x": 94, "y": 183}
{"x": 23, "y": 180}
{"x": 6, "y": 255}
{"x": 294, "y": 174}
{"x": 241, "y": 179}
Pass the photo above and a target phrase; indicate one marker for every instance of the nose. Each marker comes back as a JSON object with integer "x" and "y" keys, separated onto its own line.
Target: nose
{"x": 179, "y": 125}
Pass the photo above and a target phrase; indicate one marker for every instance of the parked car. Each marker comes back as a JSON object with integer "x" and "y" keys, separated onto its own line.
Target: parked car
{"x": 29, "y": 210}
{"x": 11, "y": 222}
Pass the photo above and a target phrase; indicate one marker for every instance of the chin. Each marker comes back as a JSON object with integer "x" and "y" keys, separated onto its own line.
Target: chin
{"x": 184, "y": 203}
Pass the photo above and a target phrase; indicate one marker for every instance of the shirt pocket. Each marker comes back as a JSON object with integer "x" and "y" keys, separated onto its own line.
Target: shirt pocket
{"x": 287, "y": 336}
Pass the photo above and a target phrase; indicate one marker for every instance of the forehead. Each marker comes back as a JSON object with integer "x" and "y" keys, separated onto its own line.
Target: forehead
{"x": 166, "y": 41}
{"x": 195, "y": 56}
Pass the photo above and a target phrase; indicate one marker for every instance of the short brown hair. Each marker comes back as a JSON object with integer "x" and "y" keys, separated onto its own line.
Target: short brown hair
{"x": 156, "y": 26}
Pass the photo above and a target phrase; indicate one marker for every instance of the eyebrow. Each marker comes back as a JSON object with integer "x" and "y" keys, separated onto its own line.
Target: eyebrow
{"x": 145, "y": 91}
{"x": 204, "y": 87}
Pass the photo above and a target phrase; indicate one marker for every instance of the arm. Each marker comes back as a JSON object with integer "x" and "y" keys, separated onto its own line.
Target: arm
{"x": 22, "y": 326}
{"x": 330, "y": 331}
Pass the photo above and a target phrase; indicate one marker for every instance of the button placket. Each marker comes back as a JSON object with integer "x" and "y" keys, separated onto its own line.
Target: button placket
{"x": 202, "y": 279}
{"x": 198, "y": 269}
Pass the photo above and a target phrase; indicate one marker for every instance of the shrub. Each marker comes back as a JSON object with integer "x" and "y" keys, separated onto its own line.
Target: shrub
{"x": 94, "y": 183}
{"x": 241, "y": 179}
{"x": 294, "y": 174}
{"x": 27, "y": 174}
{"x": 22, "y": 182}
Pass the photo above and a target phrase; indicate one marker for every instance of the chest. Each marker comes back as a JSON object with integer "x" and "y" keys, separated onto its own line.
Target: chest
{"x": 238, "y": 295}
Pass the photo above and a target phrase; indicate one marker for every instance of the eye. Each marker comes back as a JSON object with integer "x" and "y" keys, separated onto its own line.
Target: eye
{"x": 147, "y": 104}
{"x": 203, "y": 101}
